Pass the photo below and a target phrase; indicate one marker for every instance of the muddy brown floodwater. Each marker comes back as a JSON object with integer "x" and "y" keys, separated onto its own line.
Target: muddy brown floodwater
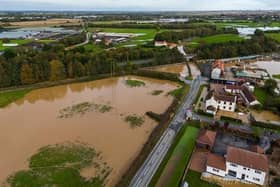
{"x": 176, "y": 68}
{"x": 32, "y": 122}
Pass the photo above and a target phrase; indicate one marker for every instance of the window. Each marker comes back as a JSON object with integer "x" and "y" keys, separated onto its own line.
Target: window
{"x": 233, "y": 165}
{"x": 229, "y": 108}
{"x": 256, "y": 179}
{"x": 230, "y": 103}
{"x": 244, "y": 168}
{"x": 232, "y": 173}
{"x": 216, "y": 170}
{"x": 258, "y": 172}
{"x": 225, "y": 102}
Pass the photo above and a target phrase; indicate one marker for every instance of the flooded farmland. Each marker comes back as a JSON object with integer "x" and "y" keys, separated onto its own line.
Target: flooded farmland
{"x": 273, "y": 67}
{"x": 33, "y": 121}
{"x": 176, "y": 68}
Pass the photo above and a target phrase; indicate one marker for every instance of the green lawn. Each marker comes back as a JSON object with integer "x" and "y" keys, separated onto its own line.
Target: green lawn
{"x": 183, "y": 151}
{"x": 220, "y": 38}
{"x": 179, "y": 92}
{"x": 261, "y": 95}
{"x": 183, "y": 145}
{"x": 275, "y": 36}
{"x": 11, "y": 96}
{"x": 193, "y": 179}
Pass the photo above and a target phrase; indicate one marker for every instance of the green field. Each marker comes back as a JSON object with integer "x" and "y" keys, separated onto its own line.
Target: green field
{"x": 11, "y": 96}
{"x": 275, "y": 36}
{"x": 276, "y": 76}
{"x": 220, "y": 38}
{"x": 193, "y": 179}
{"x": 239, "y": 23}
{"x": 177, "y": 157}
{"x": 261, "y": 95}
{"x": 18, "y": 41}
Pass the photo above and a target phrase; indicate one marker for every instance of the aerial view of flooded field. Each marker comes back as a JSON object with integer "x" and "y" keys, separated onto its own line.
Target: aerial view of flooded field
{"x": 97, "y": 113}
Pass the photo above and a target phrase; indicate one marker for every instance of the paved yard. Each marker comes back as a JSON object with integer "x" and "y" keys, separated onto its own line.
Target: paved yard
{"x": 223, "y": 140}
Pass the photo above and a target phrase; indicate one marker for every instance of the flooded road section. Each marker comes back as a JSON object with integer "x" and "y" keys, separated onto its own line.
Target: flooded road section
{"x": 32, "y": 122}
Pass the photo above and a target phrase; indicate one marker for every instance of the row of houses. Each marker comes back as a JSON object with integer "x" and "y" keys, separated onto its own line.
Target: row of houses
{"x": 227, "y": 97}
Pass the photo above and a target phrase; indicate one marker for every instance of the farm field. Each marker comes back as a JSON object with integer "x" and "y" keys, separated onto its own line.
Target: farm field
{"x": 18, "y": 41}
{"x": 45, "y": 23}
{"x": 220, "y": 38}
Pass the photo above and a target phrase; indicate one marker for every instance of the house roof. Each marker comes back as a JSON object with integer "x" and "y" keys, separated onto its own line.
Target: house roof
{"x": 206, "y": 137}
{"x": 216, "y": 161}
{"x": 257, "y": 149}
{"x": 228, "y": 98}
{"x": 250, "y": 97}
{"x": 247, "y": 158}
{"x": 233, "y": 87}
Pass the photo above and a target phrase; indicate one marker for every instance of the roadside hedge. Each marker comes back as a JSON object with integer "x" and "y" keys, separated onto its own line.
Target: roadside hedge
{"x": 266, "y": 125}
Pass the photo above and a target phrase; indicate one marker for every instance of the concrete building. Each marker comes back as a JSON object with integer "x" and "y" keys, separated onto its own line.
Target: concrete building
{"x": 239, "y": 164}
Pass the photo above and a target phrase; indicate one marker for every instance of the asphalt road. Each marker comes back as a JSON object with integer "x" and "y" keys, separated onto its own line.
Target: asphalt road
{"x": 148, "y": 169}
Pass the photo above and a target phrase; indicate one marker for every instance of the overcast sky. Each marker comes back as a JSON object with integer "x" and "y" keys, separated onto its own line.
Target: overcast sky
{"x": 127, "y": 5}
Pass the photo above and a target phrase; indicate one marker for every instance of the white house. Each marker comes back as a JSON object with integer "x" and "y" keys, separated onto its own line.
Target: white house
{"x": 216, "y": 165}
{"x": 239, "y": 164}
{"x": 215, "y": 102}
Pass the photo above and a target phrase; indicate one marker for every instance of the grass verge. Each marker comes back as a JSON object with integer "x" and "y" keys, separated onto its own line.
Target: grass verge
{"x": 182, "y": 146}
{"x": 8, "y": 97}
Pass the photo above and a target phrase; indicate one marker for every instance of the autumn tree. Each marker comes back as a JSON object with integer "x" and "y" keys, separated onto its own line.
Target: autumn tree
{"x": 57, "y": 70}
{"x": 26, "y": 74}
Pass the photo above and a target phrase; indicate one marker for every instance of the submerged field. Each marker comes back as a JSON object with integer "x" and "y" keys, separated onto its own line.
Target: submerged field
{"x": 107, "y": 115}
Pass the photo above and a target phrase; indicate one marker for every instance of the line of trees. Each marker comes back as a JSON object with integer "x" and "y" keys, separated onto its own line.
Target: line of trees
{"x": 24, "y": 65}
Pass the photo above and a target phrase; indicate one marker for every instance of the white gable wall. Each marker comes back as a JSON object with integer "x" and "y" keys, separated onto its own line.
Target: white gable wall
{"x": 250, "y": 175}
{"x": 216, "y": 171}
